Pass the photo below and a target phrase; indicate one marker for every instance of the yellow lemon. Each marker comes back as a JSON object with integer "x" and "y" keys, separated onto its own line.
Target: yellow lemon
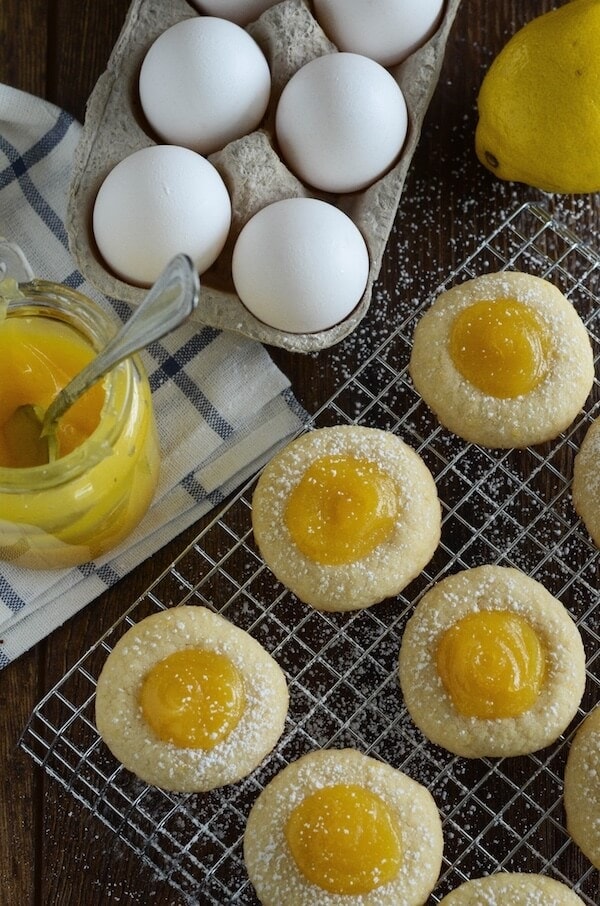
{"x": 539, "y": 103}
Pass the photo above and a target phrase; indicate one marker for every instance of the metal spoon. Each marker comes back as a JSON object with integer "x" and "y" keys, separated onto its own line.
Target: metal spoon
{"x": 169, "y": 302}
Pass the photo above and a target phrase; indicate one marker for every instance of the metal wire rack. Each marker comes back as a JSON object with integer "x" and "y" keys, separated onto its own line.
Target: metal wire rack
{"x": 508, "y": 507}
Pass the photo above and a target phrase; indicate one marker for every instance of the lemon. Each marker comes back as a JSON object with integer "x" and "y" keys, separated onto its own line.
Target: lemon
{"x": 539, "y": 103}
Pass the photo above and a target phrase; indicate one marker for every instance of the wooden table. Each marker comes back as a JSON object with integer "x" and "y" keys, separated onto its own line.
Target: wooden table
{"x": 51, "y": 852}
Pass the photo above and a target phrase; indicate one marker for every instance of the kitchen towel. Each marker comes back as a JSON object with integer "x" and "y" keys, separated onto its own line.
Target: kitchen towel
{"x": 222, "y": 406}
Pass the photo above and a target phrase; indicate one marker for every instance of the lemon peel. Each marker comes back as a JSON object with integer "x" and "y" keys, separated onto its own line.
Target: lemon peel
{"x": 539, "y": 103}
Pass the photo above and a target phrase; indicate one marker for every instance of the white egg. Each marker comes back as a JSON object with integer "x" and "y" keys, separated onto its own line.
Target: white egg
{"x": 388, "y": 31}
{"x": 203, "y": 83}
{"x": 240, "y": 11}
{"x": 158, "y": 202}
{"x": 341, "y": 122}
{"x": 300, "y": 265}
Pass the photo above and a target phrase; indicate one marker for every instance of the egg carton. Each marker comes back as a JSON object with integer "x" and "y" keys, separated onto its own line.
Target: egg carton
{"x": 251, "y": 168}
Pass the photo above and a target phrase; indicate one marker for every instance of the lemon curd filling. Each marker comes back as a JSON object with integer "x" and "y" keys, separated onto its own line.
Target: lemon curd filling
{"x": 193, "y": 698}
{"x": 344, "y": 840}
{"x": 492, "y": 664}
{"x": 73, "y": 498}
{"x": 501, "y": 347}
{"x": 38, "y": 356}
{"x": 342, "y": 509}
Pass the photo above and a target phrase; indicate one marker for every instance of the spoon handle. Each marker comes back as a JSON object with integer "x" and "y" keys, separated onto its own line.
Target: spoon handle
{"x": 169, "y": 302}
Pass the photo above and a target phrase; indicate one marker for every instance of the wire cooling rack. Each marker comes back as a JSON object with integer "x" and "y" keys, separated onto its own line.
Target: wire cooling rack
{"x": 507, "y": 507}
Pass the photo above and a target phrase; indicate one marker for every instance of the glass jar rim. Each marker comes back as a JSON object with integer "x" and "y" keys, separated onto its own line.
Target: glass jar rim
{"x": 45, "y": 299}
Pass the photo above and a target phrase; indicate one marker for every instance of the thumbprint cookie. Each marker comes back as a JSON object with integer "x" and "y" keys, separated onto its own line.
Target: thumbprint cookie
{"x": 586, "y": 481}
{"x": 346, "y": 516}
{"x": 582, "y": 787}
{"x": 338, "y": 827}
{"x": 503, "y": 360}
{"x": 491, "y": 664}
{"x": 512, "y": 889}
{"x": 189, "y": 702}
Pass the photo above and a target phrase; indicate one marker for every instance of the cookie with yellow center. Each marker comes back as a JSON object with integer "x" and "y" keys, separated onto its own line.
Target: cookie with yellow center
{"x": 189, "y": 702}
{"x": 346, "y": 516}
{"x": 582, "y": 787}
{"x": 491, "y": 664}
{"x": 512, "y": 889}
{"x": 339, "y": 827}
{"x": 503, "y": 360}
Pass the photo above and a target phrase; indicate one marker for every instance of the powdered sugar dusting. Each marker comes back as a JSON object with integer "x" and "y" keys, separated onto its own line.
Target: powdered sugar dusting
{"x": 491, "y": 588}
{"x": 269, "y": 860}
{"x": 119, "y": 715}
{"x": 392, "y": 564}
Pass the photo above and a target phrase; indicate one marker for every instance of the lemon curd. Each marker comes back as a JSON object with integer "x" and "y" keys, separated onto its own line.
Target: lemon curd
{"x": 501, "y": 347}
{"x": 39, "y": 356}
{"x": 88, "y": 499}
{"x": 492, "y": 664}
{"x": 344, "y": 839}
{"x": 342, "y": 509}
{"x": 193, "y": 698}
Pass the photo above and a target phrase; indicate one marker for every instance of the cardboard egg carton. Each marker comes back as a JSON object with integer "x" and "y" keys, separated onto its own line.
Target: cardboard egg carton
{"x": 251, "y": 168}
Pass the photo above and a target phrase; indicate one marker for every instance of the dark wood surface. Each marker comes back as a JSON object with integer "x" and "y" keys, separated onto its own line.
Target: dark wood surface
{"x": 51, "y": 852}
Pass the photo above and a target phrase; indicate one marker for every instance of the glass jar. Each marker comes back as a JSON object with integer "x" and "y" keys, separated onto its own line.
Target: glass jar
{"x": 83, "y": 504}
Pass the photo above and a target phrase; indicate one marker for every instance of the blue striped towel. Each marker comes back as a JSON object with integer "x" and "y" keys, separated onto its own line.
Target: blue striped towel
{"x": 222, "y": 407}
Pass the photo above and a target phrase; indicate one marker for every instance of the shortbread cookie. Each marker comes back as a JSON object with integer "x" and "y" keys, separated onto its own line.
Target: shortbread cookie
{"x": 503, "y": 360}
{"x": 586, "y": 481}
{"x": 337, "y": 827}
{"x": 491, "y": 664}
{"x": 512, "y": 889}
{"x": 582, "y": 787}
{"x": 346, "y": 516}
{"x": 188, "y": 702}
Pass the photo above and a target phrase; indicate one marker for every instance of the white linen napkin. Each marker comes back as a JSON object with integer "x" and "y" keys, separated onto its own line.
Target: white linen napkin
{"x": 222, "y": 407}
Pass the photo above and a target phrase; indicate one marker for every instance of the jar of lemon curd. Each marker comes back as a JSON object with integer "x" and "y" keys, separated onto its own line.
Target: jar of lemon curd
{"x": 94, "y": 493}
